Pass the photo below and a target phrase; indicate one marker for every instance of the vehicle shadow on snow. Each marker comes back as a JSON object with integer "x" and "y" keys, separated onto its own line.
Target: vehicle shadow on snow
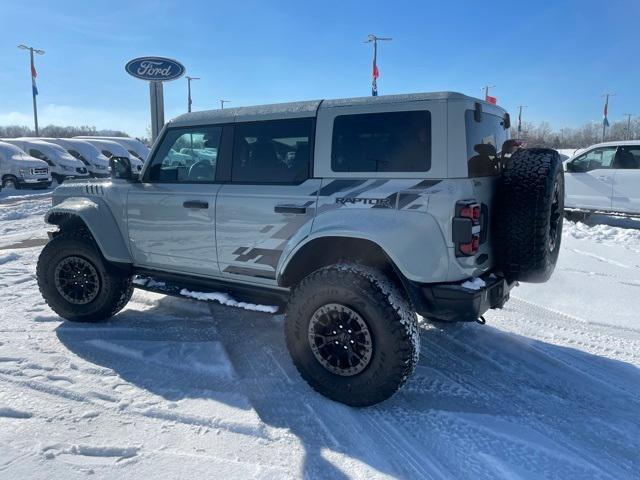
{"x": 478, "y": 394}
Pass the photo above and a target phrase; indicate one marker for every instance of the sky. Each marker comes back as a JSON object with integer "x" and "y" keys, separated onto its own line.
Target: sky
{"x": 556, "y": 57}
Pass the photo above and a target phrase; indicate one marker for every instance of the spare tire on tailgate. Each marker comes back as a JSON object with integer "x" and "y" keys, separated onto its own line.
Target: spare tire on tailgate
{"x": 528, "y": 215}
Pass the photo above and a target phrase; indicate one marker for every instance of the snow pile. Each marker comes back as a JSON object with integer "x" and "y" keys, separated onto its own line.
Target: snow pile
{"x": 226, "y": 299}
{"x": 474, "y": 284}
{"x": 603, "y": 233}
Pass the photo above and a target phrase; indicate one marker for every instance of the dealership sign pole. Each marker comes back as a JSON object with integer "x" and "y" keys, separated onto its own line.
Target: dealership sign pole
{"x": 155, "y": 70}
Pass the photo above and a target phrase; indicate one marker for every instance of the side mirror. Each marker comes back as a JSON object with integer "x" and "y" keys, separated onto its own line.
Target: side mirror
{"x": 121, "y": 169}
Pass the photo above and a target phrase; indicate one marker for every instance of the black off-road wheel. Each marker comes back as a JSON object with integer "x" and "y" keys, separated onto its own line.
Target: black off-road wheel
{"x": 77, "y": 282}
{"x": 529, "y": 213}
{"x": 351, "y": 334}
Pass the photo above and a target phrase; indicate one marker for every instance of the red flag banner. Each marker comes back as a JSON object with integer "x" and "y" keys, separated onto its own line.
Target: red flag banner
{"x": 491, "y": 99}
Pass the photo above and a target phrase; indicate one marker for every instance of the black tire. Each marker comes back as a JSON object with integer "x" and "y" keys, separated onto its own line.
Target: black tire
{"x": 113, "y": 291}
{"x": 392, "y": 328}
{"x": 9, "y": 180}
{"x": 529, "y": 214}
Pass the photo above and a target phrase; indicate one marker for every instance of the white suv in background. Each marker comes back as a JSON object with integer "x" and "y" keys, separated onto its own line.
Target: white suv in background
{"x": 605, "y": 177}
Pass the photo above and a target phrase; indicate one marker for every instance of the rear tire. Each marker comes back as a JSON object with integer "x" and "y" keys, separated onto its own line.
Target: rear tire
{"x": 77, "y": 282}
{"x": 374, "y": 324}
{"x": 529, "y": 213}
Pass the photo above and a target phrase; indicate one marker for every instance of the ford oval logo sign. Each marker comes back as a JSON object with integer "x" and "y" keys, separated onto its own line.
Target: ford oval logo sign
{"x": 155, "y": 69}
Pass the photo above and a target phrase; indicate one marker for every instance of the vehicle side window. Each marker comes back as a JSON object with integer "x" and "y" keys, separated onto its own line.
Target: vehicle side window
{"x": 186, "y": 155}
{"x": 107, "y": 153}
{"x": 595, "y": 159}
{"x": 382, "y": 142}
{"x": 627, "y": 157}
{"x": 272, "y": 151}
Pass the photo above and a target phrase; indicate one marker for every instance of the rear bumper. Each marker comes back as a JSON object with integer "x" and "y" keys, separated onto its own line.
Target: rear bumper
{"x": 460, "y": 301}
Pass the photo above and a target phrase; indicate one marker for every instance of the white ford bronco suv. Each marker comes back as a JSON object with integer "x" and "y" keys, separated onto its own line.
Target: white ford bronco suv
{"x": 355, "y": 215}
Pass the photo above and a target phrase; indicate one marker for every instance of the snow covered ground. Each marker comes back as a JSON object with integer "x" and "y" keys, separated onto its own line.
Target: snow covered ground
{"x": 176, "y": 388}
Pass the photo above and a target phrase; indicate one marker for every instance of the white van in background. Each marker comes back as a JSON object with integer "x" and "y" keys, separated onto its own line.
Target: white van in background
{"x": 109, "y": 149}
{"x": 94, "y": 160}
{"x": 20, "y": 170}
{"x": 134, "y": 146}
{"x": 62, "y": 165}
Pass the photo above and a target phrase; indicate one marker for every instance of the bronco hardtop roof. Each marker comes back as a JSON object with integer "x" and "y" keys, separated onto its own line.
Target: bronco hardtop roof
{"x": 303, "y": 109}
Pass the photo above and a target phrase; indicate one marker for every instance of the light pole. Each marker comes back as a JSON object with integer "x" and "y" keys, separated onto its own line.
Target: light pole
{"x": 628, "y": 115}
{"x": 520, "y": 107}
{"x": 34, "y": 88}
{"x": 222, "y": 102}
{"x": 376, "y": 73}
{"x": 189, "y": 102}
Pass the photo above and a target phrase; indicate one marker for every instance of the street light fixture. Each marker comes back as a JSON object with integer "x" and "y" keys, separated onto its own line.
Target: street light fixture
{"x": 189, "y": 102}
{"x": 222, "y": 102}
{"x": 34, "y": 89}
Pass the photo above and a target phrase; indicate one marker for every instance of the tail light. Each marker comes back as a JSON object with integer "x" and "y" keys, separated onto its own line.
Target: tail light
{"x": 467, "y": 228}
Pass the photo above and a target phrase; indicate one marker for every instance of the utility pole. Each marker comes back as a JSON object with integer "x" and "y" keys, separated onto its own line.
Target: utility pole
{"x": 376, "y": 73}
{"x": 222, "y": 102}
{"x": 628, "y": 115}
{"x": 189, "y": 102}
{"x": 34, "y": 88}
{"x": 520, "y": 107}
{"x": 605, "y": 120}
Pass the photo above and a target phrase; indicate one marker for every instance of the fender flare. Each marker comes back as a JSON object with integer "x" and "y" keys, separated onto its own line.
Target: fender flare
{"x": 424, "y": 251}
{"x": 99, "y": 220}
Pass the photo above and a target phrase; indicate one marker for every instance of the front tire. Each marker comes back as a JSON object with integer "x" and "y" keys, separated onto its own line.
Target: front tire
{"x": 351, "y": 334}
{"x": 10, "y": 182}
{"x": 77, "y": 282}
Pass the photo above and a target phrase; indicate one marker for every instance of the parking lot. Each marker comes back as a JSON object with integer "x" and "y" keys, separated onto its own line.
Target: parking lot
{"x": 545, "y": 389}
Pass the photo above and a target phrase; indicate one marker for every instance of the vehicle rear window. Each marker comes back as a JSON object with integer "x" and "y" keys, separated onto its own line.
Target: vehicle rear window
{"x": 382, "y": 142}
{"x": 484, "y": 143}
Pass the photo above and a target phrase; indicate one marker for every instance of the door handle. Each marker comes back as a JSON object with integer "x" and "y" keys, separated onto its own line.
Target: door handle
{"x": 298, "y": 209}
{"x": 602, "y": 178}
{"x": 195, "y": 204}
